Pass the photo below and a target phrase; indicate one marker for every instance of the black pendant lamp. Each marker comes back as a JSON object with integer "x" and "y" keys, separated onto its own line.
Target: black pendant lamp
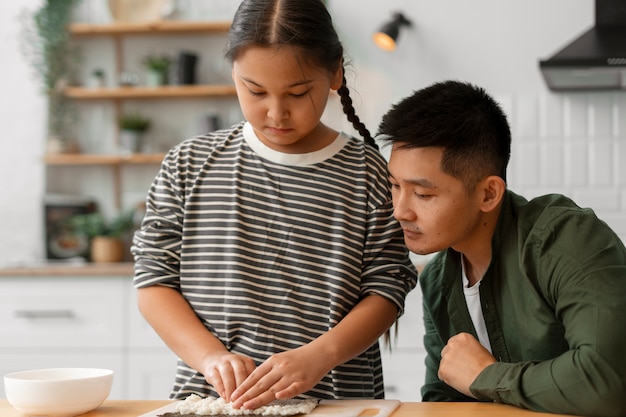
{"x": 386, "y": 37}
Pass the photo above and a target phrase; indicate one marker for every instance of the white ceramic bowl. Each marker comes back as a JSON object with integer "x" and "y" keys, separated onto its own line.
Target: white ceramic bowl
{"x": 58, "y": 392}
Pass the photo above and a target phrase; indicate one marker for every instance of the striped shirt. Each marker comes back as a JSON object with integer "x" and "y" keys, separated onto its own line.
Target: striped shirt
{"x": 272, "y": 250}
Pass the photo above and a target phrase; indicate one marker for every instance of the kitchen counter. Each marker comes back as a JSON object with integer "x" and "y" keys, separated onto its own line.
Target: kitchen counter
{"x": 123, "y": 408}
{"x": 67, "y": 269}
{"x": 110, "y": 408}
{"x": 76, "y": 269}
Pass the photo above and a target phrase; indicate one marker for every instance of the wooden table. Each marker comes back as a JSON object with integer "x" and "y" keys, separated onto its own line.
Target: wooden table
{"x": 122, "y": 408}
{"x": 117, "y": 408}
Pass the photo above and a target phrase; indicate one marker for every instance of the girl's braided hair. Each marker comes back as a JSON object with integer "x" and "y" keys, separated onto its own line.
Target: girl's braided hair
{"x": 304, "y": 24}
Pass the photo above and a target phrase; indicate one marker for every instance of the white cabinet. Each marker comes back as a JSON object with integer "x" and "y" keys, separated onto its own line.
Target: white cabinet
{"x": 93, "y": 321}
{"x": 150, "y": 374}
{"x": 85, "y": 312}
{"x": 403, "y": 366}
{"x": 151, "y": 364}
{"x": 82, "y": 321}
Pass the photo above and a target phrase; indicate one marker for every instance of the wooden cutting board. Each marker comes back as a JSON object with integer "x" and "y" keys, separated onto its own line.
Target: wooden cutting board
{"x": 326, "y": 408}
{"x": 353, "y": 408}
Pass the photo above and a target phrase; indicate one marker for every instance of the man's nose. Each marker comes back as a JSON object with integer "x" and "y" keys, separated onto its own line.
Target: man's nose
{"x": 401, "y": 207}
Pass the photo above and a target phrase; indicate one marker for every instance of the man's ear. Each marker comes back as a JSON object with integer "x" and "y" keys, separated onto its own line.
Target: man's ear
{"x": 493, "y": 188}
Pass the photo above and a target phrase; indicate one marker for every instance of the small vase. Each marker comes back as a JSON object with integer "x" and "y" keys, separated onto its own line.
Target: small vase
{"x": 96, "y": 81}
{"x": 54, "y": 145}
{"x": 156, "y": 78}
{"x": 130, "y": 142}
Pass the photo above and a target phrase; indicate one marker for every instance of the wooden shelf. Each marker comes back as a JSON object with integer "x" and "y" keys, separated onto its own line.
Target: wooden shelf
{"x": 178, "y": 91}
{"x": 96, "y": 159}
{"x": 148, "y": 28}
{"x": 117, "y": 32}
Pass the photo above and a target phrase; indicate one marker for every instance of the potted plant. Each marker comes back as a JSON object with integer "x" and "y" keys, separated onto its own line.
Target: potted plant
{"x": 47, "y": 46}
{"x": 132, "y": 127}
{"x": 158, "y": 69}
{"x": 97, "y": 78}
{"x": 106, "y": 236}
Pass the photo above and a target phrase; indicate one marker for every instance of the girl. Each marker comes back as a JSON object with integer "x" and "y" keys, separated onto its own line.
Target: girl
{"x": 269, "y": 260}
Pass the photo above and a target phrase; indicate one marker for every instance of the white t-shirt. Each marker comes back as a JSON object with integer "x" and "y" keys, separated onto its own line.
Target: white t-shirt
{"x": 472, "y": 298}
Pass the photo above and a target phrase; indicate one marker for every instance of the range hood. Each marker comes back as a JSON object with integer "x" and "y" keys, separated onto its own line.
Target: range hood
{"x": 596, "y": 60}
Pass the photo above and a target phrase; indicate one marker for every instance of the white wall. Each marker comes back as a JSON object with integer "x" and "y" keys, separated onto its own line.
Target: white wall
{"x": 570, "y": 143}
{"x": 22, "y": 120}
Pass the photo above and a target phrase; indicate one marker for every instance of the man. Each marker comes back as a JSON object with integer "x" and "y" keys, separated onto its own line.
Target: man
{"x": 525, "y": 301}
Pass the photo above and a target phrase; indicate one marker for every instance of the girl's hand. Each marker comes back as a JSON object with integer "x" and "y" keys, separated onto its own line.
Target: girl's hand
{"x": 226, "y": 371}
{"x": 283, "y": 375}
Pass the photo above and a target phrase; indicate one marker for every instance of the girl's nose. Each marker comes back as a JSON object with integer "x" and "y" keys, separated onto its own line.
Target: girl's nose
{"x": 277, "y": 111}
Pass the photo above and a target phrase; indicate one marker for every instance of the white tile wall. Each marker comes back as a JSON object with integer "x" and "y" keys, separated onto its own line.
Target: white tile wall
{"x": 573, "y": 144}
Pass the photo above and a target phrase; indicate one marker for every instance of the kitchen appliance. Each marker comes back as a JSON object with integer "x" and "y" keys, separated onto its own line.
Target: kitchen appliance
{"x": 62, "y": 242}
{"x": 596, "y": 60}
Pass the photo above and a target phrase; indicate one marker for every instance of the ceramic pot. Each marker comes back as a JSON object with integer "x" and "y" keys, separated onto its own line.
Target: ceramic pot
{"x": 130, "y": 142}
{"x": 106, "y": 249}
{"x": 54, "y": 145}
{"x": 156, "y": 78}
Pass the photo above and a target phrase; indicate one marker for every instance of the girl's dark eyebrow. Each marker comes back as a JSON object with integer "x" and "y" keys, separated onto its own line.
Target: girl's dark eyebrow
{"x": 299, "y": 83}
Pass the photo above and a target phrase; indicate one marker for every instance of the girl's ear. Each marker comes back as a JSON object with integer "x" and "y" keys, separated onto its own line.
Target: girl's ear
{"x": 493, "y": 189}
{"x": 337, "y": 78}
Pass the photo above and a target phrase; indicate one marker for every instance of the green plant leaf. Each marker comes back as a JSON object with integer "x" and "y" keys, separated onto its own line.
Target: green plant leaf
{"x": 135, "y": 122}
{"x": 95, "y": 224}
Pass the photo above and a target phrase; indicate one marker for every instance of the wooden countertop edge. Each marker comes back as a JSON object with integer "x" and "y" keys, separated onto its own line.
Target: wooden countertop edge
{"x": 130, "y": 408}
{"x": 82, "y": 269}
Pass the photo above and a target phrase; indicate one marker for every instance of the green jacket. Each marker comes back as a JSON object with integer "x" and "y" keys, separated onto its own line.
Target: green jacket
{"x": 554, "y": 302}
